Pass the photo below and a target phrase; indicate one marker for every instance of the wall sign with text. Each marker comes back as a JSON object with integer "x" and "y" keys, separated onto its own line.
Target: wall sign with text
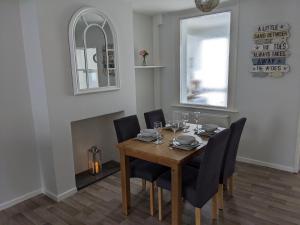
{"x": 270, "y": 50}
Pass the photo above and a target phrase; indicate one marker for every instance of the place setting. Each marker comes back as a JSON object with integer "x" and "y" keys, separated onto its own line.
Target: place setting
{"x": 184, "y": 141}
{"x": 151, "y": 135}
{"x": 190, "y": 134}
{"x": 207, "y": 130}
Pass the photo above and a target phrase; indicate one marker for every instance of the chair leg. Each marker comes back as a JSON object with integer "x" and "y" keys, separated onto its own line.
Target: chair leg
{"x": 143, "y": 184}
{"x": 230, "y": 182}
{"x": 151, "y": 199}
{"x": 160, "y": 203}
{"x": 155, "y": 187}
{"x": 220, "y": 197}
{"x": 197, "y": 216}
{"x": 214, "y": 208}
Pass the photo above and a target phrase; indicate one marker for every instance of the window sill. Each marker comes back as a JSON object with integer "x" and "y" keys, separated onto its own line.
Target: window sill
{"x": 190, "y": 106}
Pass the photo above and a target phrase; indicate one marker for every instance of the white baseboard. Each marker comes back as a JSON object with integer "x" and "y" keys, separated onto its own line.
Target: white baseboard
{"x": 66, "y": 194}
{"x": 32, "y": 194}
{"x": 266, "y": 164}
{"x": 20, "y": 199}
{"x": 61, "y": 196}
{"x": 49, "y": 194}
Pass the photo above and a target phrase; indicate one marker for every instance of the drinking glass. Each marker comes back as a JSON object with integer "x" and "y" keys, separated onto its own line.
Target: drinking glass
{"x": 175, "y": 124}
{"x": 176, "y": 116}
{"x": 185, "y": 119}
{"x": 158, "y": 128}
{"x": 197, "y": 120}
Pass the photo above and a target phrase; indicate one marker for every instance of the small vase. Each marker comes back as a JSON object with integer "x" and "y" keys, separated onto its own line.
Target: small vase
{"x": 144, "y": 61}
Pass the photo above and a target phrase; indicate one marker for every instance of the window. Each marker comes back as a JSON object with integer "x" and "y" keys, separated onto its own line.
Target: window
{"x": 204, "y": 60}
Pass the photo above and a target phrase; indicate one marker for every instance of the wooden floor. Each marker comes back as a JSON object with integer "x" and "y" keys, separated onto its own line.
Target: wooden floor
{"x": 262, "y": 197}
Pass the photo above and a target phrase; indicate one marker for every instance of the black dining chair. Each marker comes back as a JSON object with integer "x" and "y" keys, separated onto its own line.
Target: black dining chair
{"x": 199, "y": 185}
{"x": 127, "y": 128}
{"x": 229, "y": 160}
{"x": 154, "y": 116}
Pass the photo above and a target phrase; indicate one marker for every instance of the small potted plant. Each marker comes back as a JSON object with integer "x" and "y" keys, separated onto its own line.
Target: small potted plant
{"x": 144, "y": 54}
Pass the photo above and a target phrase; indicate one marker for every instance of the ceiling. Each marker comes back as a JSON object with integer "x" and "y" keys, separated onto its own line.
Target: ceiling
{"x": 152, "y": 7}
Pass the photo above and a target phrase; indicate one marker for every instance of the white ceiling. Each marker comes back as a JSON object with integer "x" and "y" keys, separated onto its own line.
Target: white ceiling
{"x": 152, "y": 7}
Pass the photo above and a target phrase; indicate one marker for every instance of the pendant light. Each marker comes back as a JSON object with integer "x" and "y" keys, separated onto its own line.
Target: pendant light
{"x": 206, "y": 5}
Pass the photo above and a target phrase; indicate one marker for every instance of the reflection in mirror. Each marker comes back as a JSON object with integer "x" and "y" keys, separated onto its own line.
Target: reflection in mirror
{"x": 93, "y": 51}
{"x": 95, "y": 41}
{"x": 112, "y": 78}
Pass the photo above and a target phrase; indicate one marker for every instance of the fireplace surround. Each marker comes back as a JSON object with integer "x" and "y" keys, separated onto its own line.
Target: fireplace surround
{"x": 95, "y": 155}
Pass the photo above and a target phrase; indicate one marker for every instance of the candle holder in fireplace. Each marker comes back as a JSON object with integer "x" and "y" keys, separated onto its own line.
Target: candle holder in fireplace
{"x": 95, "y": 160}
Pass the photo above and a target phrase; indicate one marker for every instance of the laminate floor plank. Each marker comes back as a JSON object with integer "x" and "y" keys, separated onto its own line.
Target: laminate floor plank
{"x": 262, "y": 196}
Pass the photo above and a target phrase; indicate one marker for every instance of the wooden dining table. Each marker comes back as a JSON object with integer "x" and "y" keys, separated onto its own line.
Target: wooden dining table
{"x": 161, "y": 154}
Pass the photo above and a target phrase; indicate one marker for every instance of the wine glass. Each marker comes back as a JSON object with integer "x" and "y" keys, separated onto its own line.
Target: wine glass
{"x": 176, "y": 116}
{"x": 197, "y": 119}
{"x": 158, "y": 128}
{"x": 175, "y": 124}
{"x": 185, "y": 119}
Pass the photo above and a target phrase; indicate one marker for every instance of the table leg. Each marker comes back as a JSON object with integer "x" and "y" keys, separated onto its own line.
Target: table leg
{"x": 124, "y": 163}
{"x": 176, "y": 194}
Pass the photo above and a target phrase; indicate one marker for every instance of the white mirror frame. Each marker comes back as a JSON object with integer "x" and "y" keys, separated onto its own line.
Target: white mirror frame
{"x": 72, "y": 43}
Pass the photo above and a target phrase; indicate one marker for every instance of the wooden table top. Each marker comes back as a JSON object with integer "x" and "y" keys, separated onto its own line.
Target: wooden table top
{"x": 162, "y": 154}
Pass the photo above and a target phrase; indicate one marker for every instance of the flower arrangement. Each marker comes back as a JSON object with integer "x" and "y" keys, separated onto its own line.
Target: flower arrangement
{"x": 144, "y": 54}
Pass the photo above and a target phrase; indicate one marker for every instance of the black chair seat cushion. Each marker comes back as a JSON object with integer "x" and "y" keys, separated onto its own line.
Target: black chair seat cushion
{"x": 146, "y": 170}
{"x": 189, "y": 175}
{"x": 189, "y": 181}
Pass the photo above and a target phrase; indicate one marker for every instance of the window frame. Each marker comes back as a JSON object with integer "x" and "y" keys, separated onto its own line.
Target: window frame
{"x": 232, "y": 71}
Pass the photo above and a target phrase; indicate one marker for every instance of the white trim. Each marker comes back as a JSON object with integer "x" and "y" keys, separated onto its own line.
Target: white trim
{"x": 297, "y": 153}
{"x": 148, "y": 67}
{"x": 233, "y": 53}
{"x": 50, "y": 195}
{"x": 19, "y": 199}
{"x": 157, "y": 21}
{"x": 95, "y": 90}
{"x": 266, "y": 164}
{"x": 72, "y": 45}
{"x": 192, "y": 106}
{"x": 67, "y": 194}
{"x": 61, "y": 196}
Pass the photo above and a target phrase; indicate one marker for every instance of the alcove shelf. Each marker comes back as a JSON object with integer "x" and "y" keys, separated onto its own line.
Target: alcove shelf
{"x": 149, "y": 67}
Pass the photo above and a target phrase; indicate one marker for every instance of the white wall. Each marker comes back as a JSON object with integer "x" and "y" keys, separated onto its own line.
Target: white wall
{"x": 19, "y": 168}
{"x": 271, "y": 105}
{"x": 35, "y": 73}
{"x": 62, "y": 105}
{"x": 143, "y": 39}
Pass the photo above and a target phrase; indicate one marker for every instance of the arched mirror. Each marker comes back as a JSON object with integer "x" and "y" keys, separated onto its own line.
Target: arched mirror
{"x": 93, "y": 47}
